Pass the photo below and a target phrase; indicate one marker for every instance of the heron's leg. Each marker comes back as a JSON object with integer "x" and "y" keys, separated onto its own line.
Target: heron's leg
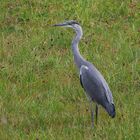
{"x": 96, "y": 110}
{"x": 92, "y": 114}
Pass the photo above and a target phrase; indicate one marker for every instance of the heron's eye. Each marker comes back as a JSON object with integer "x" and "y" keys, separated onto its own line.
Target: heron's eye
{"x": 69, "y": 23}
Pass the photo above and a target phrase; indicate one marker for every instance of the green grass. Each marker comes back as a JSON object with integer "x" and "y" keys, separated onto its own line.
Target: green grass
{"x": 40, "y": 94}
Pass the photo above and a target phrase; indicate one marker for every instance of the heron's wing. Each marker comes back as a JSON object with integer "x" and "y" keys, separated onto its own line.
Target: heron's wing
{"x": 81, "y": 81}
{"x": 94, "y": 83}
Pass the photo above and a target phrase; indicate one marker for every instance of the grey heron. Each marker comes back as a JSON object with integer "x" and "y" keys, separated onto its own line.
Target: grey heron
{"x": 92, "y": 81}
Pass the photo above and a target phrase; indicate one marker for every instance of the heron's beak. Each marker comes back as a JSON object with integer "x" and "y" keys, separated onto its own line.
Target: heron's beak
{"x": 61, "y": 24}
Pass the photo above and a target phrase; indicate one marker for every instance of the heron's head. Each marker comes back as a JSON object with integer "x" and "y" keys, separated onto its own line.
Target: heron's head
{"x": 71, "y": 24}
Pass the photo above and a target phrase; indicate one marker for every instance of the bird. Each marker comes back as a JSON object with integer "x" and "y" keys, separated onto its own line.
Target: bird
{"x": 92, "y": 81}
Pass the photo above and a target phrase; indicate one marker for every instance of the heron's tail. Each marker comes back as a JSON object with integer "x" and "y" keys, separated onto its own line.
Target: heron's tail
{"x": 110, "y": 108}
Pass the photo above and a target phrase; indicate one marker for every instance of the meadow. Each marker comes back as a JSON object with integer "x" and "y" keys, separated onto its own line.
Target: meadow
{"x": 40, "y": 94}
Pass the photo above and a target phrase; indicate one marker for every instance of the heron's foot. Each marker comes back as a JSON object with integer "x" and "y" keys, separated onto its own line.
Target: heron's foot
{"x": 92, "y": 125}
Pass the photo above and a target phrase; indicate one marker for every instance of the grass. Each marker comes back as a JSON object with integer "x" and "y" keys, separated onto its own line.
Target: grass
{"x": 40, "y": 94}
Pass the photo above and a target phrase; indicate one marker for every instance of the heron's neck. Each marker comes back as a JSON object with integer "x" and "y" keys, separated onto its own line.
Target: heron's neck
{"x": 79, "y": 60}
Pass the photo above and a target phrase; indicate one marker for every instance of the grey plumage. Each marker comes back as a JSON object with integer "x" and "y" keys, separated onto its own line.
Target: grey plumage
{"x": 94, "y": 84}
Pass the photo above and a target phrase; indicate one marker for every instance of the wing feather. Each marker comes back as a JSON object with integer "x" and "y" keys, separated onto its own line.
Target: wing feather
{"x": 95, "y": 84}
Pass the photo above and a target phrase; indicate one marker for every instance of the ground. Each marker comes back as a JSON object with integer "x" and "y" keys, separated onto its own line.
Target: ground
{"x": 40, "y": 93}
